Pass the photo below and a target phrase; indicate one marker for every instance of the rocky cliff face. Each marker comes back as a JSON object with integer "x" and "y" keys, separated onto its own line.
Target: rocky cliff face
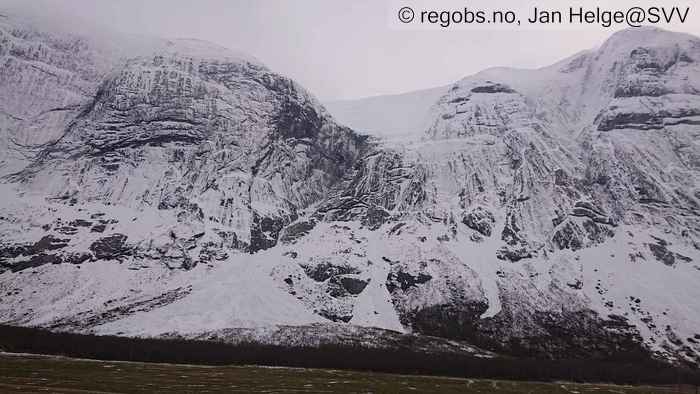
{"x": 222, "y": 144}
{"x": 181, "y": 188}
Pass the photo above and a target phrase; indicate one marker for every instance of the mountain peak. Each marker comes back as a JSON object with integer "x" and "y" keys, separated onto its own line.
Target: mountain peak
{"x": 114, "y": 44}
{"x": 646, "y": 36}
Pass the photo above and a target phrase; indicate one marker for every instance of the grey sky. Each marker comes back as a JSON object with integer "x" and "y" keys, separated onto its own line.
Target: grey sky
{"x": 335, "y": 48}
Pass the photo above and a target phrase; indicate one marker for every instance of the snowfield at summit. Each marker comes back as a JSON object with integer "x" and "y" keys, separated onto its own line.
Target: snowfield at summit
{"x": 160, "y": 187}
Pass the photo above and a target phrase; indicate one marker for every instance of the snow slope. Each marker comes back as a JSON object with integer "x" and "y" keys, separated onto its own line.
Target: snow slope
{"x": 391, "y": 116}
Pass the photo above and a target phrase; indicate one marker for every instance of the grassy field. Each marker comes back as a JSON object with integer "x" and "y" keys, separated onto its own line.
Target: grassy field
{"x": 29, "y": 373}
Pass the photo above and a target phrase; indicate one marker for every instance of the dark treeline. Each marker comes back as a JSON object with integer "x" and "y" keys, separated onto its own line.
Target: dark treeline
{"x": 32, "y": 340}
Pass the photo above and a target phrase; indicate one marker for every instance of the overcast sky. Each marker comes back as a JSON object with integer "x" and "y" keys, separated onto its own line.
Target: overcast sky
{"x": 337, "y": 49}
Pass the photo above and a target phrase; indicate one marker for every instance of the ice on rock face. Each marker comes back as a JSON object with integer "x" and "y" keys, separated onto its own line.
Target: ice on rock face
{"x": 172, "y": 186}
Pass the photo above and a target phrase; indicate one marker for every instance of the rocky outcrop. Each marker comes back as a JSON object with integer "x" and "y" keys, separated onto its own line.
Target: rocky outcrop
{"x": 481, "y": 220}
{"x": 111, "y": 247}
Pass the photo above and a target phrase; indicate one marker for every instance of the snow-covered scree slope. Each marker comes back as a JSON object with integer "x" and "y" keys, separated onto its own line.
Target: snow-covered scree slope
{"x": 177, "y": 188}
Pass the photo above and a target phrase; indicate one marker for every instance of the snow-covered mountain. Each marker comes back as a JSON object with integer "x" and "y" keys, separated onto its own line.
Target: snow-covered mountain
{"x": 180, "y": 188}
{"x": 389, "y": 117}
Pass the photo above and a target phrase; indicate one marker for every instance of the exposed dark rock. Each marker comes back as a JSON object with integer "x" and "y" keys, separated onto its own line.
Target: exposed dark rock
{"x": 110, "y": 247}
{"x": 48, "y": 242}
{"x": 210, "y": 252}
{"x": 596, "y": 232}
{"x": 396, "y": 230}
{"x": 577, "y": 285}
{"x": 642, "y": 121}
{"x": 35, "y": 261}
{"x": 575, "y": 235}
{"x": 67, "y": 230}
{"x": 374, "y": 188}
{"x": 324, "y": 271}
{"x": 587, "y": 209}
{"x": 513, "y": 254}
{"x": 481, "y": 220}
{"x": 375, "y": 217}
{"x": 80, "y": 223}
{"x": 335, "y": 289}
{"x": 296, "y": 230}
{"x": 334, "y": 316}
{"x": 76, "y": 258}
{"x": 566, "y": 237}
{"x": 511, "y": 231}
{"x": 662, "y": 254}
{"x": 38, "y": 255}
{"x": 230, "y": 240}
{"x": 493, "y": 88}
{"x": 458, "y": 100}
{"x": 264, "y": 232}
{"x": 354, "y": 286}
{"x": 404, "y": 281}
{"x": 685, "y": 259}
{"x": 36, "y": 252}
